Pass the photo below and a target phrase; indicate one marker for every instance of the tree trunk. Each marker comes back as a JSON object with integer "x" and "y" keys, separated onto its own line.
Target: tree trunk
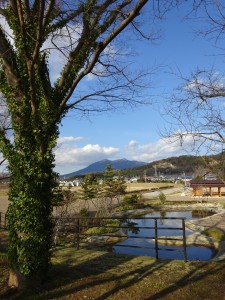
{"x": 30, "y": 219}
{"x": 16, "y": 279}
{"x": 21, "y": 282}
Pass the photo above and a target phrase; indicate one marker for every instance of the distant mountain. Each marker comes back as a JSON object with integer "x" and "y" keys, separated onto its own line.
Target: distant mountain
{"x": 100, "y": 166}
{"x": 188, "y": 164}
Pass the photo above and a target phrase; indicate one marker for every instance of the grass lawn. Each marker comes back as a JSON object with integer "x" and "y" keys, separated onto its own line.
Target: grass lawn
{"x": 139, "y": 186}
{"x": 86, "y": 274}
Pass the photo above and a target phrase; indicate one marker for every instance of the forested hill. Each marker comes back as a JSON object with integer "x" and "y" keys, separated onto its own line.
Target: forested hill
{"x": 170, "y": 166}
{"x": 176, "y": 165}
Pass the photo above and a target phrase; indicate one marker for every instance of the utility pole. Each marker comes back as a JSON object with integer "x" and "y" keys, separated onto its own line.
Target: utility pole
{"x": 145, "y": 176}
{"x": 156, "y": 175}
{"x": 184, "y": 180}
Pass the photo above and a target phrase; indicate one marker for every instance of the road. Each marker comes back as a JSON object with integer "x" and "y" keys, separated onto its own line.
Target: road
{"x": 168, "y": 191}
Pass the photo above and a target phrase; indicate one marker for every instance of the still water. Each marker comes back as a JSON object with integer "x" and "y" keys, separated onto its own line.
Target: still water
{"x": 193, "y": 252}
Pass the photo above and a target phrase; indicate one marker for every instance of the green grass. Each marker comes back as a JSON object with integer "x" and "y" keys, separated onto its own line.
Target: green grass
{"x": 215, "y": 234}
{"x": 86, "y": 274}
{"x": 102, "y": 230}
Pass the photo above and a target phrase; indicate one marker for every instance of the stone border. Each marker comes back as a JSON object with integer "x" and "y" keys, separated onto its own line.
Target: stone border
{"x": 209, "y": 242}
{"x": 197, "y": 238}
{"x": 143, "y": 211}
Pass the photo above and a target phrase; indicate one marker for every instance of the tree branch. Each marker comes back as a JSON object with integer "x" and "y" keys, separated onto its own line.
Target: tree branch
{"x": 98, "y": 50}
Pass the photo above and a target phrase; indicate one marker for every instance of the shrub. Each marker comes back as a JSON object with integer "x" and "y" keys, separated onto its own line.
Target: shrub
{"x": 130, "y": 199}
{"x": 102, "y": 230}
{"x": 162, "y": 197}
{"x": 84, "y": 212}
{"x": 215, "y": 234}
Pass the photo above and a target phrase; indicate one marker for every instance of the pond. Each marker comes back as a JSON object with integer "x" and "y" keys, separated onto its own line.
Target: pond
{"x": 193, "y": 252}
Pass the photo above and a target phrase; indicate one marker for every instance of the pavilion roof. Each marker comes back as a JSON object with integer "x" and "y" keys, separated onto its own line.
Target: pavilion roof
{"x": 207, "y": 183}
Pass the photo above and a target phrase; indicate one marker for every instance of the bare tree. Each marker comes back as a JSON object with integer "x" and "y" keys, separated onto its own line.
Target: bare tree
{"x": 197, "y": 106}
{"x": 39, "y": 90}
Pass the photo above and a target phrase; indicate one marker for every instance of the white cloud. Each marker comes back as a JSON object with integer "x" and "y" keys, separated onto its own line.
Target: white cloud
{"x": 112, "y": 51}
{"x": 59, "y": 44}
{"x": 206, "y": 83}
{"x": 132, "y": 144}
{"x": 70, "y": 157}
{"x": 7, "y": 29}
{"x": 69, "y": 139}
{"x": 158, "y": 150}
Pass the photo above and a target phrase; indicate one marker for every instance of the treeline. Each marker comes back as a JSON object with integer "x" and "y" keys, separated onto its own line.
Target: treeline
{"x": 187, "y": 164}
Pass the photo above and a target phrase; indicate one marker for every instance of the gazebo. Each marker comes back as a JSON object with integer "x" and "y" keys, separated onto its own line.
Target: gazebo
{"x": 198, "y": 186}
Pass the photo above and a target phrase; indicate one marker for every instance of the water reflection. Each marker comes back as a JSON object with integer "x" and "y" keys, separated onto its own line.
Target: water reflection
{"x": 162, "y": 215}
{"x": 193, "y": 252}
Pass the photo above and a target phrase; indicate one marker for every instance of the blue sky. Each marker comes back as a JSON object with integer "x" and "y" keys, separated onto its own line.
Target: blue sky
{"x": 135, "y": 133}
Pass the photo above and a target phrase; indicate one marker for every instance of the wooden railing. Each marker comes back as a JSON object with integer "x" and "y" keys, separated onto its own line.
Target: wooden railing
{"x": 77, "y": 227}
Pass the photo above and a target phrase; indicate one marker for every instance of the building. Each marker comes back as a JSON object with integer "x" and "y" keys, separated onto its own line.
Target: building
{"x": 207, "y": 187}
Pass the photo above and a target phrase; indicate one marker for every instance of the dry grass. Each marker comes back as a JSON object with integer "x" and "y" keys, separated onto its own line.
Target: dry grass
{"x": 85, "y": 274}
{"x": 139, "y": 186}
{"x": 130, "y": 187}
{"x": 151, "y": 185}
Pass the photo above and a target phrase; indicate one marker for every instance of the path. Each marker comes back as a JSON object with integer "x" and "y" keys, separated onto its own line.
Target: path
{"x": 215, "y": 221}
{"x": 155, "y": 194}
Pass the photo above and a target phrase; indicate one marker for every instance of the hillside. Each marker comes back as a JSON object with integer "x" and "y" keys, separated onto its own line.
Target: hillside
{"x": 100, "y": 166}
{"x": 187, "y": 164}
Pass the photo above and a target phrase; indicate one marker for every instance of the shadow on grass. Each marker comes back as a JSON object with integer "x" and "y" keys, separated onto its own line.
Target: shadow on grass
{"x": 108, "y": 274}
{"x": 105, "y": 263}
{"x": 85, "y": 274}
{"x": 196, "y": 275}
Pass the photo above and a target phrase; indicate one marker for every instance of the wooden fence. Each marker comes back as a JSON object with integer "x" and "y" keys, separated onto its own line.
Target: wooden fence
{"x": 77, "y": 227}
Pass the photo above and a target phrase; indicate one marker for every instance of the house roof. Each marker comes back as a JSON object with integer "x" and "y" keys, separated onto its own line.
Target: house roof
{"x": 206, "y": 183}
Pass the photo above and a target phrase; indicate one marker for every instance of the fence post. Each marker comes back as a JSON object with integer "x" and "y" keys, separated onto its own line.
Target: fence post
{"x": 78, "y": 234}
{"x": 184, "y": 240}
{"x": 156, "y": 240}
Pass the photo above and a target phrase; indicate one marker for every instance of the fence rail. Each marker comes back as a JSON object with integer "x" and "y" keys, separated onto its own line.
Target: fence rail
{"x": 78, "y": 228}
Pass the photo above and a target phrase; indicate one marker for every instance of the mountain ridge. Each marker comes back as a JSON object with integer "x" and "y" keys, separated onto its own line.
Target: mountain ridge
{"x": 176, "y": 165}
{"x": 100, "y": 166}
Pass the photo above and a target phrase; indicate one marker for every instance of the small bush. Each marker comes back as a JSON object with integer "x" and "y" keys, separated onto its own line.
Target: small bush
{"x": 162, "y": 197}
{"x": 84, "y": 212}
{"x": 215, "y": 234}
{"x": 124, "y": 207}
{"x": 102, "y": 230}
{"x": 130, "y": 199}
